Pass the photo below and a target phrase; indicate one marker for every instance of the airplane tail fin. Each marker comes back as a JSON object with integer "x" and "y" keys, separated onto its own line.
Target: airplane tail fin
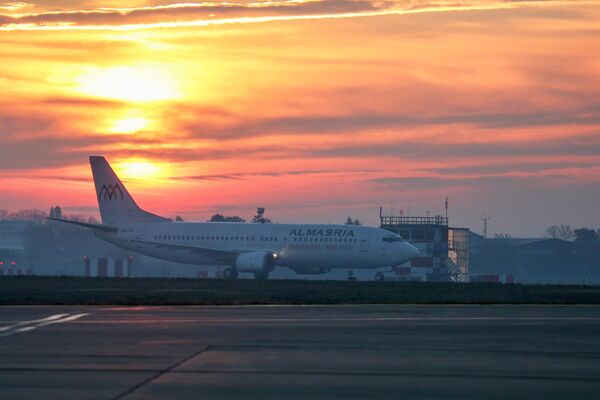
{"x": 115, "y": 202}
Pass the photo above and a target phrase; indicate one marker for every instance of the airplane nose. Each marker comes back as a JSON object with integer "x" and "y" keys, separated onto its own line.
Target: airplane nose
{"x": 408, "y": 252}
{"x": 412, "y": 251}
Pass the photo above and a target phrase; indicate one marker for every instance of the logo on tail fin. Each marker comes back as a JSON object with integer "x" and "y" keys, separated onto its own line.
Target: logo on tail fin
{"x": 109, "y": 192}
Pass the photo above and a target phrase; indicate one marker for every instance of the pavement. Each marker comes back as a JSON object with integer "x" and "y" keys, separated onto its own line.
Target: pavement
{"x": 300, "y": 352}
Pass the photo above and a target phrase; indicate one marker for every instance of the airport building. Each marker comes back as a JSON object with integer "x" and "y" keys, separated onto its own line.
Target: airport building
{"x": 533, "y": 260}
{"x": 444, "y": 249}
{"x": 13, "y": 260}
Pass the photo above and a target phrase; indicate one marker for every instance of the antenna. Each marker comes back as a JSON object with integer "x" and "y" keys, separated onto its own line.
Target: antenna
{"x": 485, "y": 220}
{"x": 446, "y": 207}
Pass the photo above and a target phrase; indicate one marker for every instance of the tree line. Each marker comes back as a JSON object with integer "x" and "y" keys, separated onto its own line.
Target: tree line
{"x": 582, "y": 235}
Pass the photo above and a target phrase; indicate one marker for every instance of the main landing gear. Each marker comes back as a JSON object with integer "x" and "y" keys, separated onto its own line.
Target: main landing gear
{"x": 261, "y": 276}
{"x": 230, "y": 273}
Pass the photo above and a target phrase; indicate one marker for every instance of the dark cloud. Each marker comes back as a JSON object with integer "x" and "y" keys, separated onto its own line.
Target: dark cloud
{"x": 18, "y": 124}
{"x": 477, "y": 179}
{"x": 247, "y": 127}
{"x": 191, "y": 12}
{"x": 498, "y": 168}
{"x": 53, "y": 150}
{"x": 432, "y": 150}
{"x": 237, "y": 176}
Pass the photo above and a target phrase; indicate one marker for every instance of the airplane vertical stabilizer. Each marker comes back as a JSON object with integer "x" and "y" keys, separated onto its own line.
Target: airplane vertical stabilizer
{"x": 116, "y": 204}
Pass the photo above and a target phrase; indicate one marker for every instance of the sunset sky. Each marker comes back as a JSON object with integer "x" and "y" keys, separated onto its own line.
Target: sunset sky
{"x": 316, "y": 110}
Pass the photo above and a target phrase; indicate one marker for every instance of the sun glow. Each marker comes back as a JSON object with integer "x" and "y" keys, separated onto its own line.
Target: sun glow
{"x": 128, "y": 125}
{"x": 140, "y": 169}
{"x": 135, "y": 84}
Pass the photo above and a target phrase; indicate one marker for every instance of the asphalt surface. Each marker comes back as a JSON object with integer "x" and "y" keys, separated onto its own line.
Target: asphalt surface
{"x": 300, "y": 352}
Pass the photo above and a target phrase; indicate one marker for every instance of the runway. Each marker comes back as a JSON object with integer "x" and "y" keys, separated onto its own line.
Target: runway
{"x": 300, "y": 352}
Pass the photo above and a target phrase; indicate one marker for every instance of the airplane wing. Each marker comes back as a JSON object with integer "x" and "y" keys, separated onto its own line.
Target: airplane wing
{"x": 226, "y": 256}
{"x": 98, "y": 227}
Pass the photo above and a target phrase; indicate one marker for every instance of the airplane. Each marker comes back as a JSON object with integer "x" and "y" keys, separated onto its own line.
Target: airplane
{"x": 243, "y": 247}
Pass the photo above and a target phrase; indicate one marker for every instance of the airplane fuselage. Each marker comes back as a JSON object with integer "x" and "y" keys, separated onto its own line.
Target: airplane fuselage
{"x": 303, "y": 247}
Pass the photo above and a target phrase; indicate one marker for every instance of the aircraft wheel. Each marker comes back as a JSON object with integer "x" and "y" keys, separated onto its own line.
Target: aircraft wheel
{"x": 379, "y": 277}
{"x": 230, "y": 273}
{"x": 261, "y": 275}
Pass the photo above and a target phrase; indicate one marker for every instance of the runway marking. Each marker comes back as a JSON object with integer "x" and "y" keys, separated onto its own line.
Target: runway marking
{"x": 26, "y": 326}
{"x": 35, "y": 321}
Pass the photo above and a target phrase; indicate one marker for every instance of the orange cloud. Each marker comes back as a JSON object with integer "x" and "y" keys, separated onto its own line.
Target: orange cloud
{"x": 315, "y": 119}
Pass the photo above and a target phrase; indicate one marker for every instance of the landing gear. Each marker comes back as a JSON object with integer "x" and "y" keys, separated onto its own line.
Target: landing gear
{"x": 261, "y": 275}
{"x": 230, "y": 273}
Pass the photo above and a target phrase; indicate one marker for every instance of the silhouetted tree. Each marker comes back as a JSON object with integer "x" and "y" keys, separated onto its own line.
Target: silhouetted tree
{"x": 349, "y": 221}
{"x": 55, "y": 212}
{"x": 29, "y": 215}
{"x": 221, "y": 218}
{"x": 586, "y": 236}
{"x": 563, "y": 232}
{"x": 260, "y": 216}
{"x": 178, "y": 218}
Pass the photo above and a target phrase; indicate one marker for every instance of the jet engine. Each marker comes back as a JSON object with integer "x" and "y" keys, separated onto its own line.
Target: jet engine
{"x": 257, "y": 261}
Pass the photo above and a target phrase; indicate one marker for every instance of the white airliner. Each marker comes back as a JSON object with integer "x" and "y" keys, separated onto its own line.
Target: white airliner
{"x": 243, "y": 247}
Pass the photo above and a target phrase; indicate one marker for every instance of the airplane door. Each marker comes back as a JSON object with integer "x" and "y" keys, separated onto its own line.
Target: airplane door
{"x": 364, "y": 242}
{"x": 139, "y": 234}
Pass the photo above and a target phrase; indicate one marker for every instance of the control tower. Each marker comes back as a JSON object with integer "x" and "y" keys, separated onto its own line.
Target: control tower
{"x": 444, "y": 250}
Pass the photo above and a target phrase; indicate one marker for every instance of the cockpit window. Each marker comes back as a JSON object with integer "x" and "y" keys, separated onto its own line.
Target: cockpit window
{"x": 391, "y": 239}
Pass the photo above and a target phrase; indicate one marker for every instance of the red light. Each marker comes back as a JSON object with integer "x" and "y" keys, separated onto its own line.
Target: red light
{"x": 1, "y": 262}
{"x": 13, "y": 263}
{"x": 85, "y": 257}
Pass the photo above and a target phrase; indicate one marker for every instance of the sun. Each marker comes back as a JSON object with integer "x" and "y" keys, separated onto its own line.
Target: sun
{"x": 134, "y": 84}
{"x": 140, "y": 169}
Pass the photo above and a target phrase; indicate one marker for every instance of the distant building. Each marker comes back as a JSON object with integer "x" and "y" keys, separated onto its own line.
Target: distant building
{"x": 13, "y": 259}
{"x": 535, "y": 260}
{"x": 12, "y": 235}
